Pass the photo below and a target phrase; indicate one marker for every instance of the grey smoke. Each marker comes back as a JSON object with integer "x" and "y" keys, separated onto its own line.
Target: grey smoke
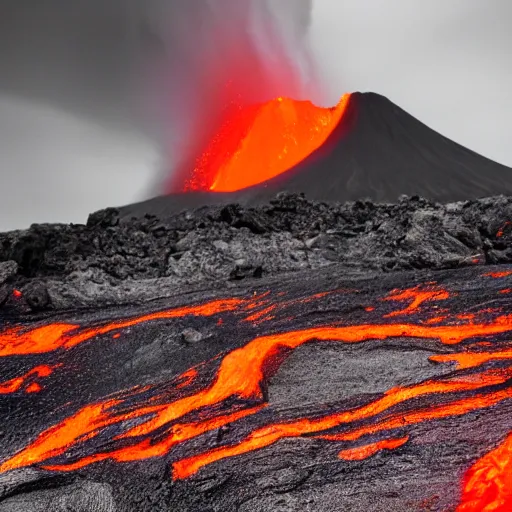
{"x": 216, "y": 52}
{"x": 92, "y": 91}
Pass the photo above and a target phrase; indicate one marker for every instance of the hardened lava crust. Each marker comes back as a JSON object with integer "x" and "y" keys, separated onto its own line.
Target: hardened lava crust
{"x": 113, "y": 258}
{"x": 296, "y": 355}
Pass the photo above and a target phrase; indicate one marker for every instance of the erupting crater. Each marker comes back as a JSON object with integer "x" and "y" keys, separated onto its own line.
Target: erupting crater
{"x": 258, "y": 142}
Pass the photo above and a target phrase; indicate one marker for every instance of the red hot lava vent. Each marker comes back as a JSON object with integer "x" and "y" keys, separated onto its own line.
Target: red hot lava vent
{"x": 256, "y": 143}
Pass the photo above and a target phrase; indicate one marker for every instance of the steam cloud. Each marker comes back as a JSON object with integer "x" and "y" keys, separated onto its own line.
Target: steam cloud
{"x": 218, "y": 54}
{"x": 80, "y": 80}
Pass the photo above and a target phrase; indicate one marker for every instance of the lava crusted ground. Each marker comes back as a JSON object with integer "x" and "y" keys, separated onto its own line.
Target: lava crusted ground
{"x": 359, "y": 358}
{"x": 119, "y": 258}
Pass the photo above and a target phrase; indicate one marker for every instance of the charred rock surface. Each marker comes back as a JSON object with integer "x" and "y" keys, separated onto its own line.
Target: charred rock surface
{"x": 370, "y": 371}
{"x": 114, "y": 256}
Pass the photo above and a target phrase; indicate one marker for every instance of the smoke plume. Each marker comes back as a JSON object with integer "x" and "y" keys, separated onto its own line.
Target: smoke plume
{"x": 80, "y": 80}
{"x": 209, "y": 57}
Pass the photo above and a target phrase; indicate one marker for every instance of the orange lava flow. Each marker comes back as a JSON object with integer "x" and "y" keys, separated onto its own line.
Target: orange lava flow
{"x": 240, "y": 375}
{"x": 187, "y": 378}
{"x": 368, "y": 450}
{"x": 147, "y": 449}
{"x": 16, "y": 384}
{"x": 499, "y": 275}
{"x": 269, "y": 435}
{"x": 262, "y": 141}
{"x": 262, "y": 315}
{"x": 454, "y": 408}
{"x": 16, "y": 341}
{"x": 488, "y": 483}
{"x": 467, "y": 360}
{"x": 417, "y": 295}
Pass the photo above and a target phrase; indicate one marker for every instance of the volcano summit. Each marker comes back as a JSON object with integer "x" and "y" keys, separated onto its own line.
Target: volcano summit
{"x": 375, "y": 150}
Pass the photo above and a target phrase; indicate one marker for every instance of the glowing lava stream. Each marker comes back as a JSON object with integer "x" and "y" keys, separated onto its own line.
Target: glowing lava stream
{"x": 266, "y": 436}
{"x": 417, "y": 295}
{"x": 16, "y": 384}
{"x": 16, "y": 341}
{"x": 47, "y": 338}
{"x": 262, "y": 141}
{"x": 242, "y": 374}
{"x": 368, "y": 450}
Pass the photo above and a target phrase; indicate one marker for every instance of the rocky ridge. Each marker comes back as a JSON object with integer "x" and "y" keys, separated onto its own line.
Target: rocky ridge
{"x": 55, "y": 266}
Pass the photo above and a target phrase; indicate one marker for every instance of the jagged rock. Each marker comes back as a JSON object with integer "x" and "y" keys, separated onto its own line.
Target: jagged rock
{"x": 287, "y": 235}
{"x": 191, "y": 336}
{"x": 37, "y": 296}
{"x": 8, "y": 269}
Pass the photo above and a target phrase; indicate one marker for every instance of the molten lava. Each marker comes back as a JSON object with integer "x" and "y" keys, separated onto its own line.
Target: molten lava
{"x": 258, "y": 142}
{"x": 24, "y": 382}
{"x": 488, "y": 483}
{"x": 15, "y": 341}
{"x": 154, "y": 420}
{"x": 417, "y": 295}
{"x": 241, "y": 374}
{"x": 499, "y": 275}
{"x": 368, "y": 450}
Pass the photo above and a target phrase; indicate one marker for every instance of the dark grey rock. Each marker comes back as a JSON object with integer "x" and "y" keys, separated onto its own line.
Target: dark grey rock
{"x": 8, "y": 269}
{"x": 191, "y": 336}
{"x": 233, "y": 243}
{"x": 83, "y": 496}
{"x": 37, "y": 296}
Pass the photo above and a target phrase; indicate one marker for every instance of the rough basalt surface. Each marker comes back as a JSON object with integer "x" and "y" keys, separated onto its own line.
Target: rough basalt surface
{"x": 62, "y": 266}
{"x": 137, "y": 300}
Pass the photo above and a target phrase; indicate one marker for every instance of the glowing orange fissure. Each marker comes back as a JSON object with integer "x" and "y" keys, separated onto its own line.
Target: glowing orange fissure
{"x": 368, "y": 450}
{"x": 269, "y": 435}
{"x": 259, "y": 142}
{"x": 241, "y": 374}
{"x": 16, "y": 341}
{"x": 417, "y": 295}
{"x": 499, "y": 275}
{"x": 17, "y": 384}
{"x": 47, "y": 338}
{"x": 466, "y": 360}
{"x": 501, "y": 231}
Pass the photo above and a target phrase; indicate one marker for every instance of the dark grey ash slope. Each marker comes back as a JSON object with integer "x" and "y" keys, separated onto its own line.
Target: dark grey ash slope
{"x": 378, "y": 151}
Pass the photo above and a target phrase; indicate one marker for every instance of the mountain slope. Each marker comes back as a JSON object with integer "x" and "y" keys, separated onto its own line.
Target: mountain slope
{"x": 377, "y": 151}
{"x": 380, "y": 151}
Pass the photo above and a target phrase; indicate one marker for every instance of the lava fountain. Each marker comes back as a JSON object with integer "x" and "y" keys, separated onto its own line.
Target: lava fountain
{"x": 233, "y": 98}
{"x": 259, "y": 142}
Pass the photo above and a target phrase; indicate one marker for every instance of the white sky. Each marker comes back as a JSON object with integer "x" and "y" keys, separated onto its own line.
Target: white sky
{"x": 55, "y": 167}
{"x": 447, "y": 62}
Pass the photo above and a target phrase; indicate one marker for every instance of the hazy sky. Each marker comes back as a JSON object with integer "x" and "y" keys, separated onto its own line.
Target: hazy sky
{"x": 448, "y": 62}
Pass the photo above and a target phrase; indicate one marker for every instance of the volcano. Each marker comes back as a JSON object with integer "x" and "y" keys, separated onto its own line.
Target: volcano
{"x": 375, "y": 150}
{"x": 289, "y": 356}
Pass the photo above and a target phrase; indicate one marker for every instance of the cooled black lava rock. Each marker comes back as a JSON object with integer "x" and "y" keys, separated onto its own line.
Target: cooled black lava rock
{"x": 37, "y": 297}
{"x": 300, "y": 265}
{"x": 8, "y": 270}
{"x": 228, "y": 243}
